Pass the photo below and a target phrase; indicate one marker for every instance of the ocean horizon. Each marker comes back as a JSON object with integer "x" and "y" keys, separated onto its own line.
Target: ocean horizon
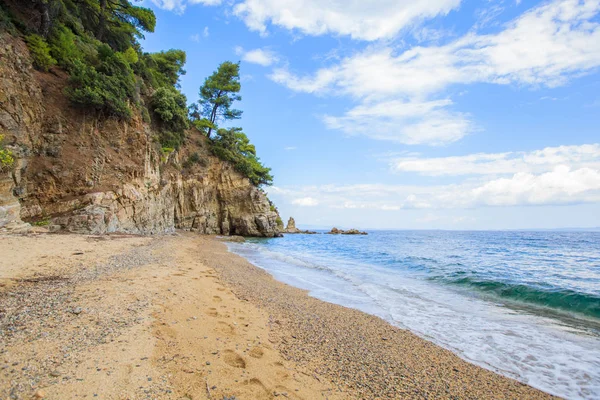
{"x": 525, "y": 304}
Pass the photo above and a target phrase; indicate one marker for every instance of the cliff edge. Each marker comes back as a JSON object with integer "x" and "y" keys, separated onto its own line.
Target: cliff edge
{"x": 78, "y": 171}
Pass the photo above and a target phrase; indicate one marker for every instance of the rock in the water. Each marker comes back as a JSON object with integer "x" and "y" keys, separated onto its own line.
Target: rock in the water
{"x": 336, "y": 231}
{"x": 291, "y": 228}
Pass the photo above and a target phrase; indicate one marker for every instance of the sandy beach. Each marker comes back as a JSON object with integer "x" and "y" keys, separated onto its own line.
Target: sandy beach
{"x": 179, "y": 317}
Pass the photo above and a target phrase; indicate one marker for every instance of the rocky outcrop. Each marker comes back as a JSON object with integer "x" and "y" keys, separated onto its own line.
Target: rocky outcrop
{"x": 10, "y": 208}
{"x": 84, "y": 173}
{"x": 336, "y": 231}
{"x": 291, "y": 228}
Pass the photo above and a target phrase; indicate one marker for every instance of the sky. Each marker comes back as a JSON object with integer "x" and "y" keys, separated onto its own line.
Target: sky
{"x": 420, "y": 114}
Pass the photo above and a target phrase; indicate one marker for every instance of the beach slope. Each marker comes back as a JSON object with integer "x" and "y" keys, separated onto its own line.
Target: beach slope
{"x": 179, "y": 317}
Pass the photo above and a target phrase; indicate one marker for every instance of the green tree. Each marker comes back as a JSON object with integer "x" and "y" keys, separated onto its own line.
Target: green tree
{"x": 119, "y": 18}
{"x": 233, "y": 145}
{"x": 217, "y": 95}
{"x": 108, "y": 87}
{"x": 163, "y": 68}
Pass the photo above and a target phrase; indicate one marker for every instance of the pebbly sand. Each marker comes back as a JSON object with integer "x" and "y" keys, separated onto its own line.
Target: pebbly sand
{"x": 178, "y": 317}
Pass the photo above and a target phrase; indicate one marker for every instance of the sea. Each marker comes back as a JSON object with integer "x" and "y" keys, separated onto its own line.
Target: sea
{"x": 523, "y": 304}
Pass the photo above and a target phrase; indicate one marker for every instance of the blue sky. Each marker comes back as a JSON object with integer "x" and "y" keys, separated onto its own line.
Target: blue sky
{"x": 422, "y": 114}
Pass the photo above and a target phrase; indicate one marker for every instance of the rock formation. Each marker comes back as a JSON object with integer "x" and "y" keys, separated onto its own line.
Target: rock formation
{"x": 79, "y": 172}
{"x": 336, "y": 231}
{"x": 291, "y": 228}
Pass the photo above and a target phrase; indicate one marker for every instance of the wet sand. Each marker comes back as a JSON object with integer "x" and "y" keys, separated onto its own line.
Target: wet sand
{"x": 178, "y": 317}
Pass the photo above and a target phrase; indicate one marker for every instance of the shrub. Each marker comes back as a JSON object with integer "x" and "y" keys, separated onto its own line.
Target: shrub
{"x": 43, "y": 222}
{"x": 131, "y": 56}
{"x": 107, "y": 87}
{"x": 166, "y": 152}
{"x": 169, "y": 106}
{"x": 194, "y": 158}
{"x": 63, "y": 47}
{"x": 171, "y": 139}
{"x": 6, "y": 156}
{"x": 40, "y": 52}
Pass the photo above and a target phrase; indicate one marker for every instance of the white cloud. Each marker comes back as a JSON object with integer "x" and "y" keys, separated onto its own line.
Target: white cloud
{"x": 561, "y": 186}
{"x": 305, "y": 202}
{"x": 290, "y": 148}
{"x": 179, "y": 6}
{"x": 196, "y": 37}
{"x": 538, "y": 161}
{"x": 364, "y": 20}
{"x": 551, "y": 176}
{"x": 264, "y": 57}
{"x": 547, "y": 46}
{"x": 410, "y": 122}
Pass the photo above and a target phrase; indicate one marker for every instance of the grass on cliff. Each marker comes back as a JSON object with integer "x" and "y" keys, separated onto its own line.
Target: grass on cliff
{"x": 6, "y": 156}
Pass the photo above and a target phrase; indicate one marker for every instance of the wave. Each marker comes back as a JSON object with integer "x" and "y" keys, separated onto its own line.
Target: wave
{"x": 566, "y": 300}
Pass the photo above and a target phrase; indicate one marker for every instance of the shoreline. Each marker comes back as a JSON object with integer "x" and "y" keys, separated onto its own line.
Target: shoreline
{"x": 182, "y": 317}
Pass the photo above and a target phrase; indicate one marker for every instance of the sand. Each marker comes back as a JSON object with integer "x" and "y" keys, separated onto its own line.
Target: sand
{"x": 178, "y": 317}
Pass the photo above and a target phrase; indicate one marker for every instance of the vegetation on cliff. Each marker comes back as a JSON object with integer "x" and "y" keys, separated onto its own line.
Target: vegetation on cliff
{"x": 6, "y": 156}
{"x": 97, "y": 43}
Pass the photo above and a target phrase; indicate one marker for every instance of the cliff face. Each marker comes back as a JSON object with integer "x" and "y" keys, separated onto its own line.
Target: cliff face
{"x": 84, "y": 173}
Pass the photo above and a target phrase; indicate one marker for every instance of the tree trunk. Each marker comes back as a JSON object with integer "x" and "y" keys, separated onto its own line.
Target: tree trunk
{"x": 101, "y": 21}
{"x": 44, "y": 6}
{"x": 213, "y": 117}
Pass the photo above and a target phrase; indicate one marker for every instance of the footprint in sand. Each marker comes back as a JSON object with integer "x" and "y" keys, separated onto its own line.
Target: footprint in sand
{"x": 256, "y": 352}
{"x": 217, "y": 299}
{"x": 282, "y": 375}
{"x": 225, "y": 327}
{"x": 212, "y": 312}
{"x": 234, "y": 360}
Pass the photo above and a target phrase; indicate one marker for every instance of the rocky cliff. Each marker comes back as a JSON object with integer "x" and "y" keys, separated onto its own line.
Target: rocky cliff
{"x": 81, "y": 172}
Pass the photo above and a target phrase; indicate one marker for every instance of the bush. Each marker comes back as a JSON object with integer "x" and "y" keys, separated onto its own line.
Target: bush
{"x": 234, "y": 146}
{"x": 169, "y": 106}
{"x": 194, "y": 158}
{"x": 107, "y": 87}
{"x": 63, "y": 47}
{"x": 6, "y": 156}
{"x": 40, "y": 52}
{"x": 166, "y": 152}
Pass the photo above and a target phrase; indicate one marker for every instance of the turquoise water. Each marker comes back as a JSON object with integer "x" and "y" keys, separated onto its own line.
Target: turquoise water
{"x": 525, "y": 304}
